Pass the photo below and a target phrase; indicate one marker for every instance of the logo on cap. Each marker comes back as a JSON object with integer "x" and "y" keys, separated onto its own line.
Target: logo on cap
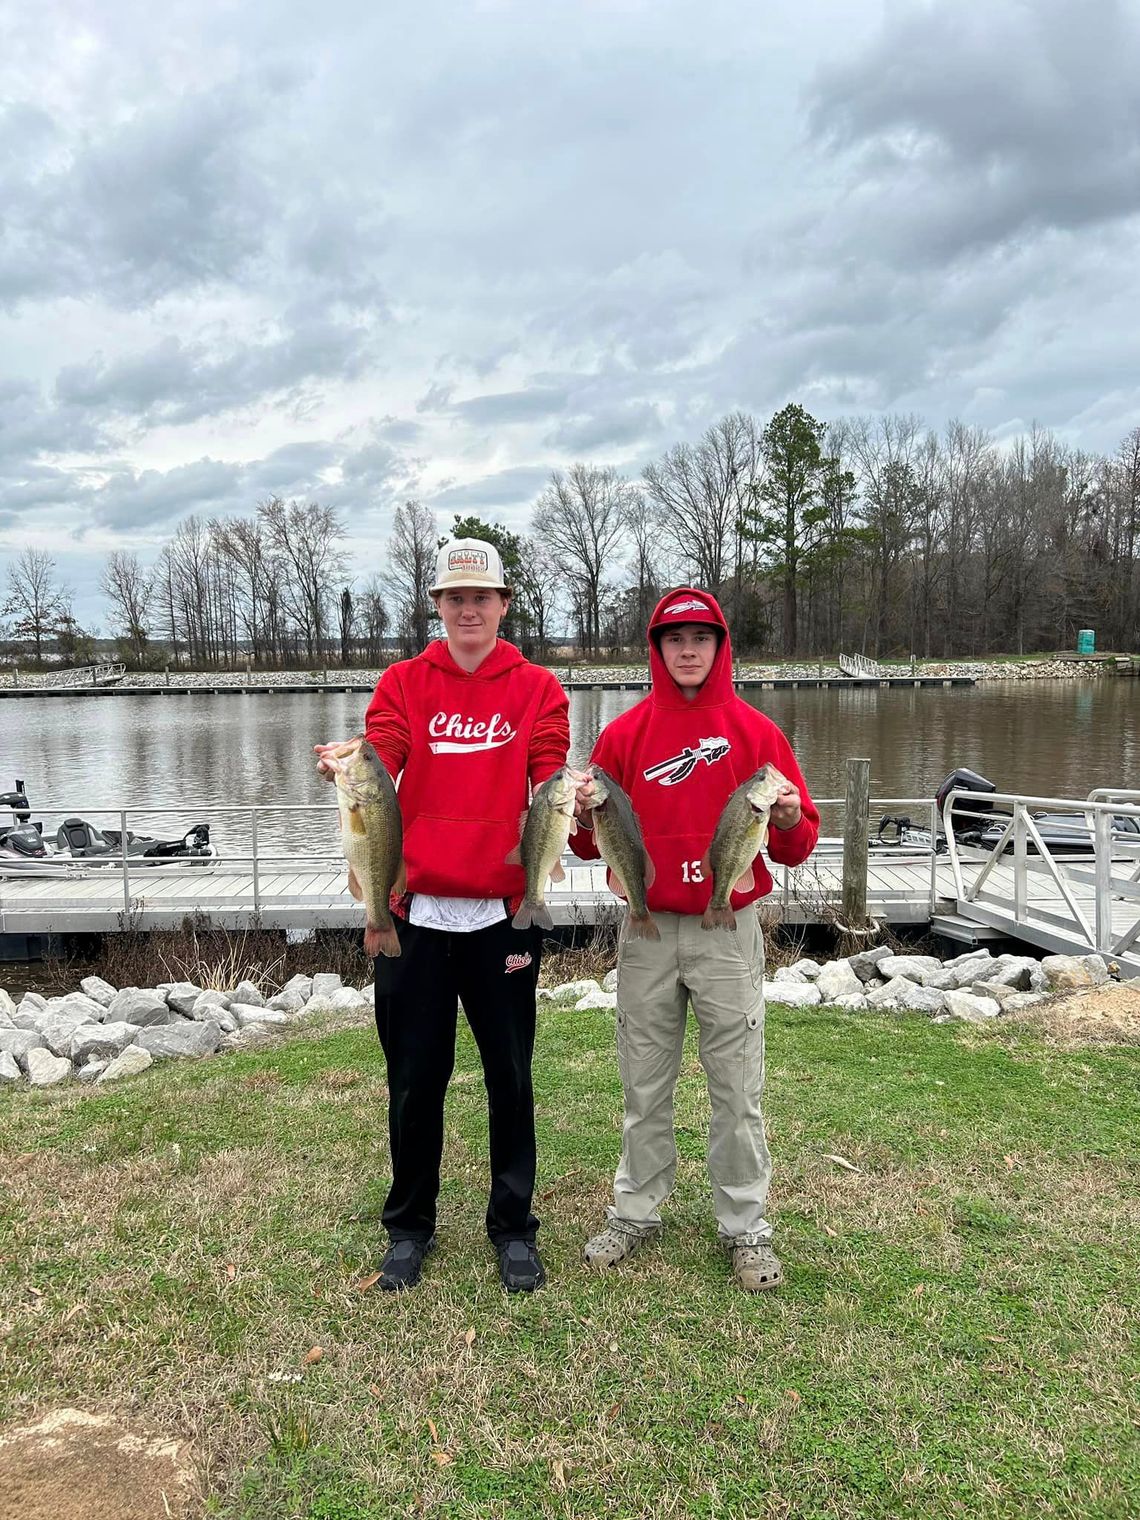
{"x": 690, "y": 606}
{"x": 473, "y": 561}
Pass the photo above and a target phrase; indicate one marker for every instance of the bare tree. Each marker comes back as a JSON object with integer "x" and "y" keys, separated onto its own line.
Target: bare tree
{"x": 582, "y": 516}
{"x": 346, "y": 611}
{"x": 411, "y": 552}
{"x": 35, "y": 599}
{"x": 538, "y": 582}
{"x": 130, "y": 589}
{"x": 644, "y": 563}
{"x": 373, "y": 619}
{"x": 243, "y": 541}
{"x": 305, "y": 536}
{"x": 701, "y": 493}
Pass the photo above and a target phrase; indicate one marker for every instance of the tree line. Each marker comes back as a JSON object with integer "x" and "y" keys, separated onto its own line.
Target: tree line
{"x": 870, "y": 534}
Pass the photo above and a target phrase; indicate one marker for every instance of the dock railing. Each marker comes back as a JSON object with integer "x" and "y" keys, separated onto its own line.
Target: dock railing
{"x": 246, "y": 841}
{"x": 1089, "y": 844}
{"x": 86, "y": 675}
{"x": 859, "y": 665}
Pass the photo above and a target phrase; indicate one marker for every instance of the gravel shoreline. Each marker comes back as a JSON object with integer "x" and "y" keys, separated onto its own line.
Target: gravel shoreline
{"x": 1060, "y": 669}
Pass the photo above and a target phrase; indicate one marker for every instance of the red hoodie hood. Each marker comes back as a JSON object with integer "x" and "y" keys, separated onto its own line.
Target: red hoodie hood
{"x": 689, "y": 604}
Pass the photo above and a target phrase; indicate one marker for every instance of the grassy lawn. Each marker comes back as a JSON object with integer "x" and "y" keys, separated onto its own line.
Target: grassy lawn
{"x": 958, "y": 1332}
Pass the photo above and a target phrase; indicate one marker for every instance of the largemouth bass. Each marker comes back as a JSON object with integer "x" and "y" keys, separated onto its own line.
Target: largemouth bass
{"x": 372, "y": 837}
{"x": 546, "y": 827}
{"x": 741, "y": 833}
{"x": 622, "y": 848}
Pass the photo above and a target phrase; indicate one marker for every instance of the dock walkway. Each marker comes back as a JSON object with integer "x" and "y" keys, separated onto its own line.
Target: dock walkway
{"x": 1031, "y": 888}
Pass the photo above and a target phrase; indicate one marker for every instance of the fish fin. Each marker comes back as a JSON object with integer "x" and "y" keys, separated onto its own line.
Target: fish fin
{"x": 718, "y": 918}
{"x": 650, "y": 870}
{"x": 400, "y": 885}
{"x": 354, "y": 885}
{"x": 616, "y": 885}
{"x": 381, "y": 941}
{"x": 524, "y": 917}
{"x": 746, "y": 882}
{"x": 540, "y": 914}
{"x": 641, "y": 927}
{"x": 514, "y": 858}
{"x": 356, "y": 822}
{"x": 556, "y": 872}
{"x": 573, "y": 825}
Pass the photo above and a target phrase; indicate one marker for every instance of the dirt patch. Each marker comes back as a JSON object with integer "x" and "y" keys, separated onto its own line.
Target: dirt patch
{"x": 71, "y": 1465}
{"x": 1105, "y": 1015}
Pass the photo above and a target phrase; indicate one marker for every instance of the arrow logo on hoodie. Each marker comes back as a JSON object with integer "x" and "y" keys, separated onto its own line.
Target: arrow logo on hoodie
{"x": 680, "y": 767}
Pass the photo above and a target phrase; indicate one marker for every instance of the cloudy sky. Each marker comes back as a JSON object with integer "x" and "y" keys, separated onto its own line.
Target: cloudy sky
{"x": 359, "y": 252}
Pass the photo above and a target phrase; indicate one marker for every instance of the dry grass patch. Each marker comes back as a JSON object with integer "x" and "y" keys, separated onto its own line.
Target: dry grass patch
{"x": 71, "y": 1464}
{"x": 1105, "y": 1015}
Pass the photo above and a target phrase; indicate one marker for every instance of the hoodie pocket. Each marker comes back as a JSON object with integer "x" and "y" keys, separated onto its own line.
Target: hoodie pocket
{"x": 461, "y": 857}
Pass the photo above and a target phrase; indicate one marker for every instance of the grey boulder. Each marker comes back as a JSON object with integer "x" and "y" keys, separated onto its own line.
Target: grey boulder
{"x": 139, "y": 1005}
{"x": 90, "y": 1071}
{"x": 9, "y": 1070}
{"x": 58, "y": 1030}
{"x": 325, "y": 983}
{"x": 974, "y": 1010}
{"x": 913, "y": 967}
{"x": 302, "y": 985}
{"x": 247, "y": 993}
{"x": 19, "y": 1042}
{"x": 248, "y": 1013}
{"x": 791, "y": 994}
{"x": 95, "y": 987}
{"x": 45, "y": 1070}
{"x": 863, "y": 964}
{"x": 789, "y": 974}
{"x": 102, "y": 1042}
{"x": 190, "y": 1039}
{"x": 79, "y": 1002}
{"x": 7, "y": 1009}
{"x": 182, "y": 997}
{"x": 807, "y": 968}
{"x": 133, "y": 1060}
{"x": 837, "y": 979}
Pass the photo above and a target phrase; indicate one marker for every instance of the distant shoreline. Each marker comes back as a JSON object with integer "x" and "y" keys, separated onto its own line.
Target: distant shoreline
{"x": 747, "y": 672}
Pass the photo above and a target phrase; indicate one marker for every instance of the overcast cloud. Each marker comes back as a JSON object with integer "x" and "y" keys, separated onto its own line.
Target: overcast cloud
{"x": 357, "y": 253}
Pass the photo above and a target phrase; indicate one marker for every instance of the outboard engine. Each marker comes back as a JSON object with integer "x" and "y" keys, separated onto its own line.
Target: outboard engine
{"x": 25, "y": 839}
{"x": 964, "y": 814}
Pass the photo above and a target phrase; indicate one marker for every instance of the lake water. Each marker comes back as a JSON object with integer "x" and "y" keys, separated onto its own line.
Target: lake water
{"x": 195, "y": 753}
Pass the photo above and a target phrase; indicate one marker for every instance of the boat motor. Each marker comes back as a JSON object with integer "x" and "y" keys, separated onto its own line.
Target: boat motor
{"x": 964, "y": 815}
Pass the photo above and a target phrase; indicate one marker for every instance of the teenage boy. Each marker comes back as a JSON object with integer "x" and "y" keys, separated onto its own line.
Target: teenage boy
{"x": 680, "y": 753}
{"x": 469, "y": 727}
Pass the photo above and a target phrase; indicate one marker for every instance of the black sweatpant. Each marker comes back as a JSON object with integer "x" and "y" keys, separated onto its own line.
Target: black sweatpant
{"x": 494, "y": 973}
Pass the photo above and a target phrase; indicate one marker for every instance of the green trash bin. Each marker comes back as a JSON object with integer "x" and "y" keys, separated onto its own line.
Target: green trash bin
{"x": 1086, "y": 641}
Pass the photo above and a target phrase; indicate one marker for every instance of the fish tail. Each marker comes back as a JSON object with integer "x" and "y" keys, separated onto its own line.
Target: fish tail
{"x": 718, "y": 918}
{"x": 381, "y": 941}
{"x": 641, "y": 926}
{"x": 531, "y": 913}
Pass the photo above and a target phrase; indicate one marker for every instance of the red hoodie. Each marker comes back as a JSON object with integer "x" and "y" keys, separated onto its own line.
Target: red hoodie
{"x": 679, "y": 760}
{"x": 468, "y": 745}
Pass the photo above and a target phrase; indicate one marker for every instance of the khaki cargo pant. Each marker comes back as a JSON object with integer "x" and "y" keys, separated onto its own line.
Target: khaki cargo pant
{"x": 722, "y": 974}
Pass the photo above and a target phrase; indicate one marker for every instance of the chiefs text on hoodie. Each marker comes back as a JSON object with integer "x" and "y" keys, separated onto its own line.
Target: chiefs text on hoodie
{"x": 462, "y": 742}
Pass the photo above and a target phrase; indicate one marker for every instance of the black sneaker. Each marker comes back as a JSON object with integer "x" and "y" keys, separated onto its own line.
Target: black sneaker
{"x": 520, "y": 1269}
{"x": 404, "y": 1264}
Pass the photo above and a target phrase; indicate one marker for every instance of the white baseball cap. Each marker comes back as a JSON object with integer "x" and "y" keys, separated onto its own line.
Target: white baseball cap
{"x": 469, "y": 562}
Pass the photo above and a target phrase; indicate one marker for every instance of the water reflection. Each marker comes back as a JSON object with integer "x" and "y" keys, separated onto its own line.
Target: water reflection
{"x": 198, "y": 753}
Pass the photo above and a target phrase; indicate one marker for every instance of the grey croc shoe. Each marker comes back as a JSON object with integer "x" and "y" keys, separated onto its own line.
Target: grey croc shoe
{"x": 615, "y": 1244}
{"x": 756, "y": 1268}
